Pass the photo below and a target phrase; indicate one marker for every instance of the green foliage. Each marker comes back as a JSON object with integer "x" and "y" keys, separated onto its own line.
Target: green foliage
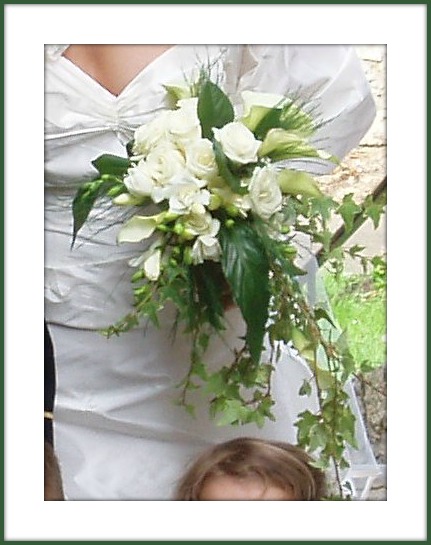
{"x": 214, "y": 108}
{"x": 246, "y": 268}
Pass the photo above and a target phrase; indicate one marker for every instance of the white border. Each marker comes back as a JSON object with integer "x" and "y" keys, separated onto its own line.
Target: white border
{"x": 402, "y": 28}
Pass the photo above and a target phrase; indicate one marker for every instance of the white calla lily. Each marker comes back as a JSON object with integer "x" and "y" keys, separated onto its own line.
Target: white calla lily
{"x": 140, "y": 228}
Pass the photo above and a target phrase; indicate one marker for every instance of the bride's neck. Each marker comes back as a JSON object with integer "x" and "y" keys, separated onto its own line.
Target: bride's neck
{"x": 113, "y": 66}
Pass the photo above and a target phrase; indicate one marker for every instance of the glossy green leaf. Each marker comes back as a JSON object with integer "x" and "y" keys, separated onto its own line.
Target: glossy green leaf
{"x": 84, "y": 201}
{"x": 214, "y": 108}
{"x": 111, "y": 165}
{"x": 245, "y": 265}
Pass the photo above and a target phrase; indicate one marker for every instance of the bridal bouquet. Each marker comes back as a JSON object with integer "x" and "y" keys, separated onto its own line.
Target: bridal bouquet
{"x": 219, "y": 202}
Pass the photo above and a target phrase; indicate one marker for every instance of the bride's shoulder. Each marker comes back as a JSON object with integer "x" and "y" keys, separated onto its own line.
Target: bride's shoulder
{"x": 54, "y": 51}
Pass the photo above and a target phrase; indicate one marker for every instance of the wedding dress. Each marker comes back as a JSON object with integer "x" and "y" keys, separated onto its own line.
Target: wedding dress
{"x": 119, "y": 434}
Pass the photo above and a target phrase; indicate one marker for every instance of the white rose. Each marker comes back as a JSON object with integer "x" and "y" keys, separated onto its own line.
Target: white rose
{"x": 163, "y": 163}
{"x": 238, "y": 142}
{"x": 185, "y": 195}
{"x": 205, "y": 247}
{"x": 264, "y": 192}
{"x": 139, "y": 181}
{"x": 184, "y": 124}
{"x": 151, "y": 134}
{"x": 200, "y": 159}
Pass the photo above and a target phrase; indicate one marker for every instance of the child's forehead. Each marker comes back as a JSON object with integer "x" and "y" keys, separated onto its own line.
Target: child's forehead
{"x": 229, "y": 487}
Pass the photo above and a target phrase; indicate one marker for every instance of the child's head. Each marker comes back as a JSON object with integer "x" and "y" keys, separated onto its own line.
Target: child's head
{"x": 252, "y": 469}
{"x": 53, "y": 483}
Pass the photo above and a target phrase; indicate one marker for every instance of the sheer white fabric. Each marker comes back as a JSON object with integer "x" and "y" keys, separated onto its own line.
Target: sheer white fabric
{"x": 118, "y": 433}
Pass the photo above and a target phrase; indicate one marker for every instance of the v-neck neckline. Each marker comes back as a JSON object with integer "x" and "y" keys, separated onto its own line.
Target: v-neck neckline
{"x": 97, "y": 85}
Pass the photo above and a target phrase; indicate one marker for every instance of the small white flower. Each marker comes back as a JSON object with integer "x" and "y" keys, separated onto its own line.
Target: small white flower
{"x": 201, "y": 224}
{"x": 238, "y": 142}
{"x": 200, "y": 159}
{"x": 185, "y": 194}
{"x": 152, "y": 265}
{"x": 264, "y": 192}
{"x": 204, "y": 248}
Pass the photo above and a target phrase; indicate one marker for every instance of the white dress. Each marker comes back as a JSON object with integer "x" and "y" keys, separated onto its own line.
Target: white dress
{"x": 118, "y": 432}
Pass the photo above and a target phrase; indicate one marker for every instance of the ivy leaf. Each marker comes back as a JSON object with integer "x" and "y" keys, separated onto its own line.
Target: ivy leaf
{"x": 373, "y": 210}
{"x": 214, "y": 108}
{"x": 111, "y": 165}
{"x": 305, "y": 389}
{"x": 246, "y": 267}
{"x": 349, "y": 210}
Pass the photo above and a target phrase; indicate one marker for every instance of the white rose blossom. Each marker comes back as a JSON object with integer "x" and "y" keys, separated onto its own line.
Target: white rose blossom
{"x": 150, "y": 134}
{"x": 184, "y": 124}
{"x": 238, "y": 142}
{"x": 200, "y": 159}
{"x": 264, "y": 192}
{"x": 138, "y": 180}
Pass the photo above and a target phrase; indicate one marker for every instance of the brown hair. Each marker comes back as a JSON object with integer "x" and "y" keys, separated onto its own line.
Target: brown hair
{"x": 53, "y": 484}
{"x": 276, "y": 463}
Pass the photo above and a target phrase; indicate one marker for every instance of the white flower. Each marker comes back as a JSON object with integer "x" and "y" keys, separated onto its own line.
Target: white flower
{"x": 164, "y": 161}
{"x": 238, "y": 142}
{"x": 140, "y": 227}
{"x": 139, "y": 181}
{"x": 149, "y": 261}
{"x": 200, "y": 159}
{"x": 185, "y": 195}
{"x": 152, "y": 265}
{"x": 148, "y": 136}
{"x": 184, "y": 124}
{"x": 201, "y": 224}
{"x": 205, "y": 247}
{"x": 264, "y": 191}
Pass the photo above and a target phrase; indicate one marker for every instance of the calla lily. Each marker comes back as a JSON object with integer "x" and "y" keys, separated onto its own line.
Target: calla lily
{"x": 294, "y": 182}
{"x": 140, "y": 227}
{"x": 280, "y": 144}
{"x": 257, "y": 106}
{"x": 178, "y": 92}
{"x": 126, "y": 199}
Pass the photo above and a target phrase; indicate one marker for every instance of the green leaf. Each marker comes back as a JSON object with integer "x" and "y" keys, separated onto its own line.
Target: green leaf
{"x": 111, "y": 164}
{"x": 373, "y": 210}
{"x": 349, "y": 210}
{"x": 214, "y": 108}
{"x": 246, "y": 267}
{"x": 305, "y": 389}
{"x": 209, "y": 278}
{"x": 294, "y": 182}
{"x": 84, "y": 201}
{"x": 233, "y": 181}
